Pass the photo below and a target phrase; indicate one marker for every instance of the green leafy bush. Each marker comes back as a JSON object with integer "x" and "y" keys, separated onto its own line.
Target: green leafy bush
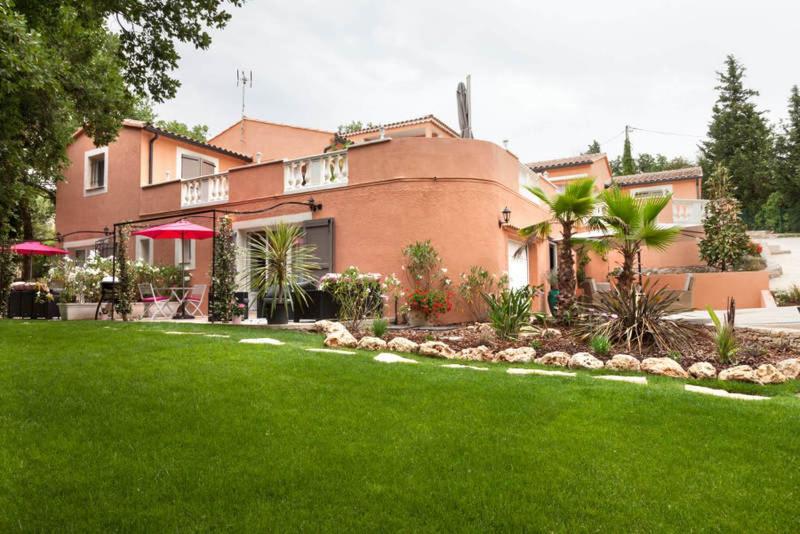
{"x": 510, "y": 310}
{"x": 724, "y": 337}
{"x": 379, "y": 327}
{"x": 475, "y": 283}
{"x": 600, "y": 344}
{"x": 359, "y": 295}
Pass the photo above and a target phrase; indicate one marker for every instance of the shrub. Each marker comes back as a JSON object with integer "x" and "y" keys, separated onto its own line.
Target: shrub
{"x": 475, "y": 283}
{"x": 510, "y": 310}
{"x": 600, "y": 344}
{"x": 223, "y": 284}
{"x": 636, "y": 317}
{"x": 724, "y": 337}
{"x": 359, "y": 295}
{"x": 379, "y": 327}
{"x": 428, "y": 280}
{"x": 126, "y": 290}
{"x": 788, "y": 297}
{"x": 432, "y": 303}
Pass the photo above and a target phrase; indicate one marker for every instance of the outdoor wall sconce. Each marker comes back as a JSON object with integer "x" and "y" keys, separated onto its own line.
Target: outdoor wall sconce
{"x": 506, "y": 213}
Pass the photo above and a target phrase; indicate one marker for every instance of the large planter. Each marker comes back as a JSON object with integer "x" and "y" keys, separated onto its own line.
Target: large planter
{"x": 417, "y": 318}
{"x": 77, "y": 312}
{"x": 279, "y": 315}
{"x": 552, "y": 300}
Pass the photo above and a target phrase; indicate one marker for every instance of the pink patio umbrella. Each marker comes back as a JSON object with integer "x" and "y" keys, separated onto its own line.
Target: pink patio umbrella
{"x": 34, "y": 248}
{"x": 182, "y": 229}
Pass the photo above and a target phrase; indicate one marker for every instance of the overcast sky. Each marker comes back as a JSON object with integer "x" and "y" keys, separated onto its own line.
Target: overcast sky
{"x": 547, "y": 76}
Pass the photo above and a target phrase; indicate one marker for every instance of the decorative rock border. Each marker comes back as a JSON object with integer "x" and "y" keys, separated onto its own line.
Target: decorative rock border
{"x": 387, "y": 357}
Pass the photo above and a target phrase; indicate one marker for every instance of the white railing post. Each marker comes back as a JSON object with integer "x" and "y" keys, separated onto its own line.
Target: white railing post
{"x": 688, "y": 211}
{"x": 315, "y": 172}
{"x": 204, "y": 190}
{"x": 527, "y": 178}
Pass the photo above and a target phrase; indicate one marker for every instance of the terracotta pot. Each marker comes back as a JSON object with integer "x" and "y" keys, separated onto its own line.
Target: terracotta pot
{"x": 417, "y": 318}
{"x": 236, "y": 319}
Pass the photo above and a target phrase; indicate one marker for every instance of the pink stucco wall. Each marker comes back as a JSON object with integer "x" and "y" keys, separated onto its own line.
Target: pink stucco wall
{"x": 713, "y": 289}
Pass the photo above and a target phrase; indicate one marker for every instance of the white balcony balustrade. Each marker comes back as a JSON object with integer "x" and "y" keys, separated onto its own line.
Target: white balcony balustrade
{"x": 315, "y": 172}
{"x": 528, "y": 178}
{"x": 209, "y": 189}
{"x": 688, "y": 212}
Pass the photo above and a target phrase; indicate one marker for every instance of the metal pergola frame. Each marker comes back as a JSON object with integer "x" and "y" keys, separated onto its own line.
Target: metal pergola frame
{"x": 212, "y": 214}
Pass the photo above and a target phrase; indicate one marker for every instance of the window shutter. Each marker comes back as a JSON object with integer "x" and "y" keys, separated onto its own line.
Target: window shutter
{"x": 319, "y": 233}
{"x": 207, "y": 168}
{"x": 190, "y": 167}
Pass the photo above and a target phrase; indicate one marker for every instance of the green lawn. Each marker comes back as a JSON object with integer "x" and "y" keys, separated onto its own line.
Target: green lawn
{"x": 124, "y": 428}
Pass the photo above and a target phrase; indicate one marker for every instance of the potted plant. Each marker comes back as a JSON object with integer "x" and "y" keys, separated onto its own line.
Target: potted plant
{"x": 238, "y": 310}
{"x": 80, "y": 285}
{"x": 425, "y": 305}
{"x": 430, "y": 285}
{"x": 552, "y": 295}
{"x": 284, "y": 264}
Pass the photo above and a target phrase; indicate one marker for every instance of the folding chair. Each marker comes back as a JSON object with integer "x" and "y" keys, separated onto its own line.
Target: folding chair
{"x": 153, "y": 303}
{"x": 194, "y": 300}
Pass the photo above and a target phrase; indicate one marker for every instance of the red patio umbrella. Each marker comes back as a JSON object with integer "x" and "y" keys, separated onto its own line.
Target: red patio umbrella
{"x": 182, "y": 229}
{"x": 34, "y": 248}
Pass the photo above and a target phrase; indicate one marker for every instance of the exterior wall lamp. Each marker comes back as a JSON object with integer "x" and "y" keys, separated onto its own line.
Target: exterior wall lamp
{"x": 506, "y": 214}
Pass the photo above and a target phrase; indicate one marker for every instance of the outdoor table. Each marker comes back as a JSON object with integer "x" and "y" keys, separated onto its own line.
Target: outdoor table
{"x": 180, "y": 294}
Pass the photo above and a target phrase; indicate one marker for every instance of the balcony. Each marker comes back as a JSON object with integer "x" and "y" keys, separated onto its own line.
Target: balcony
{"x": 688, "y": 211}
{"x": 209, "y": 189}
{"x": 315, "y": 172}
{"x": 528, "y": 178}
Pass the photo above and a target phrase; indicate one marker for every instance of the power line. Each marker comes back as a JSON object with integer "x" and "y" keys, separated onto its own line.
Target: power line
{"x": 666, "y": 133}
{"x": 612, "y": 138}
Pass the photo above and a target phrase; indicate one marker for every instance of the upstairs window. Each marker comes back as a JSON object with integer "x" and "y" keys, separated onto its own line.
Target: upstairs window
{"x": 96, "y": 171}
{"x": 192, "y": 165}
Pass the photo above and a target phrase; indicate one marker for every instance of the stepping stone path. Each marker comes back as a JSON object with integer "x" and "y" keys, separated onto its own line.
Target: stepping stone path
{"x": 541, "y": 372}
{"x": 387, "y": 357}
{"x": 459, "y": 366}
{"x": 217, "y": 335}
{"x": 332, "y": 351}
{"x": 261, "y": 341}
{"x": 176, "y": 333}
{"x": 619, "y": 378}
{"x": 722, "y": 393}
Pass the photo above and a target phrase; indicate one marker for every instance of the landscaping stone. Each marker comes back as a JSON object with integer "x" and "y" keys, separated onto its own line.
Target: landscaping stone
{"x": 459, "y": 366}
{"x": 769, "y": 374}
{"x": 331, "y": 351}
{"x": 790, "y": 368}
{"x": 387, "y": 357}
{"x": 327, "y": 327}
{"x": 663, "y": 367}
{"x": 558, "y": 358}
{"x": 540, "y": 372}
{"x": 176, "y": 332}
{"x": 742, "y": 373}
{"x": 702, "y": 370}
{"x": 261, "y": 341}
{"x": 437, "y": 349}
{"x": 341, "y": 338}
{"x": 551, "y": 333}
{"x": 481, "y": 353}
{"x": 617, "y": 378}
{"x": 371, "y": 343}
{"x": 623, "y": 362}
{"x": 722, "y": 393}
{"x": 516, "y": 355}
{"x": 584, "y": 360}
{"x": 401, "y": 344}
{"x": 527, "y": 333}
{"x": 218, "y": 335}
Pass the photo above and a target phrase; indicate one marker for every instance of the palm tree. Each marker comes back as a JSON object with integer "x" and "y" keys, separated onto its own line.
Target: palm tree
{"x": 631, "y": 223}
{"x": 571, "y": 209}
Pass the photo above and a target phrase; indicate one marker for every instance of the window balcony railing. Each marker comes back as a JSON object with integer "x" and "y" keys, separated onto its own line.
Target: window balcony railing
{"x": 688, "y": 211}
{"x": 209, "y": 189}
{"x": 528, "y": 178}
{"x": 315, "y": 172}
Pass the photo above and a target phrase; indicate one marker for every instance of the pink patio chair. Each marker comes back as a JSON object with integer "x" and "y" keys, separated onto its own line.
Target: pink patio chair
{"x": 154, "y": 304}
{"x": 194, "y": 300}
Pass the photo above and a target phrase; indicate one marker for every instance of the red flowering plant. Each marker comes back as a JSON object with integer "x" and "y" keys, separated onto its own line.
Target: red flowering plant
{"x": 754, "y": 249}
{"x": 432, "y": 302}
{"x": 430, "y": 292}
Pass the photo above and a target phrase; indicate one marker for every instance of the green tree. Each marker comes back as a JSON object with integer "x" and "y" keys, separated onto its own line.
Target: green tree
{"x": 725, "y": 241}
{"x": 569, "y": 210}
{"x": 740, "y": 139}
{"x": 628, "y": 163}
{"x": 223, "y": 285}
{"x": 786, "y": 205}
{"x": 659, "y": 162}
{"x": 354, "y": 126}
{"x": 633, "y": 224}
{"x": 143, "y": 111}
{"x": 593, "y": 148}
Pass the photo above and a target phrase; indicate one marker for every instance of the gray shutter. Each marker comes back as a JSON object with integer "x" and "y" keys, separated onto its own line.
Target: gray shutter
{"x": 190, "y": 167}
{"x": 319, "y": 233}
{"x": 206, "y": 168}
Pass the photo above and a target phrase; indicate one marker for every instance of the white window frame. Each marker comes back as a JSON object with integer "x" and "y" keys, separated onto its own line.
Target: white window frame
{"x": 139, "y": 255}
{"x": 88, "y": 190}
{"x": 190, "y": 265}
{"x": 184, "y": 152}
{"x": 663, "y": 189}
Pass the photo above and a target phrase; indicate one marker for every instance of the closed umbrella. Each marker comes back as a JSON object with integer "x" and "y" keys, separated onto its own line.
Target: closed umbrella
{"x": 182, "y": 230}
{"x": 464, "y": 110}
{"x": 34, "y": 248}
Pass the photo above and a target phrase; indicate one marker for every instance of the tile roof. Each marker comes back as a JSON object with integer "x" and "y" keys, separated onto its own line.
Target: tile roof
{"x": 189, "y": 140}
{"x": 572, "y": 161}
{"x": 409, "y": 122}
{"x": 687, "y": 173}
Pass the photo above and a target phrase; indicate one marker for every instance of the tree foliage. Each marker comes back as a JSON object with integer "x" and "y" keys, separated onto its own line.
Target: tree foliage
{"x": 782, "y": 210}
{"x": 725, "y": 242}
{"x": 628, "y": 163}
{"x": 354, "y": 126}
{"x": 740, "y": 139}
{"x": 593, "y": 148}
{"x": 223, "y": 285}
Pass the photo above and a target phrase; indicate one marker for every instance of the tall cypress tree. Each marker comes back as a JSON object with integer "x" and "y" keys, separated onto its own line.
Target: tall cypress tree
{"x": 787, "y": 164}
{"x": 594, "y": 148}
{"x": 740, "y": 139}
{"x": 628, "y": 163}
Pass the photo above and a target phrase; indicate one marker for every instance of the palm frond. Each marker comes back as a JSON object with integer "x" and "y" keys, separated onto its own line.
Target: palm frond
{"x": 653, "y": 206}
{"x": 656, "y": 236}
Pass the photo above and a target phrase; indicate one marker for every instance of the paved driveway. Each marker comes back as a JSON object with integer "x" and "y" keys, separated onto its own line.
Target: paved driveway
{"x": 790, "y": 263}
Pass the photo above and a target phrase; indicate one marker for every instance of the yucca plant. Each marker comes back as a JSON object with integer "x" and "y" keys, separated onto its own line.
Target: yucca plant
{"x": 636, "y": 316}
{"x": 600, "y": 344}
{"x": 282, "y": 264}
{"x": 510, "y": 310}
{"x": 724, "y": 337}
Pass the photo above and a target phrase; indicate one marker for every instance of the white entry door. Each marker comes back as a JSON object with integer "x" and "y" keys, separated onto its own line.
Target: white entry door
{"x": 517, "y": 265}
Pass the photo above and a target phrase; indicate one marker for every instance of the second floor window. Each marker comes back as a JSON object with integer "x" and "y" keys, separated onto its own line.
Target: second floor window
{"x": 96, "y": 171}
{"x": 193, "y": 166}
{"x": 97, "y": 178}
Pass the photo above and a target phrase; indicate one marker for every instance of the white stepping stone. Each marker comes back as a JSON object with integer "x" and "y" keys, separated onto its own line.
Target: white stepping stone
{"x": 722, "y": 393}
{"x": 261, "y": 341}
{"x": 540, "y": 372}
{"x": 177, "y": 333}
{"x": 332, "y": 351}
{"x": 459, "y": 366}
{"x": 388, "y": 357}
{"x": 619, "y": 378}
{"x": 218, "y": 335}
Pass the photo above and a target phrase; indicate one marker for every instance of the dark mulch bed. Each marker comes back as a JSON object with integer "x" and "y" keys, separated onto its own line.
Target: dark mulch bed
{"x": 754, "y": 351}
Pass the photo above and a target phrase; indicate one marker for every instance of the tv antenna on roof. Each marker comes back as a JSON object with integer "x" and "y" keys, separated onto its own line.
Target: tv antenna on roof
{"x": 244, "y": 80}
